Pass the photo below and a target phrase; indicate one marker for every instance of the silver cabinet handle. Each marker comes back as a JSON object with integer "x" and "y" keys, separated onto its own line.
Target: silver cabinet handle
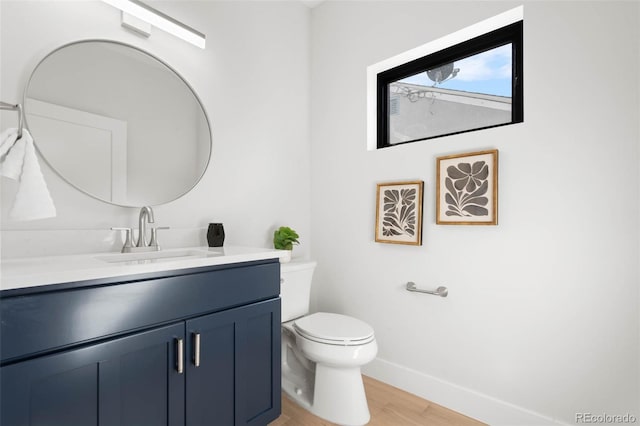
{"x": 196, "y": 349}
{"x": 180, "y": 356}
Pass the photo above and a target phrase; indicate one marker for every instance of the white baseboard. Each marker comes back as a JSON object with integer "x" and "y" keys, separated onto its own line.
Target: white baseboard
{"x": 462, "y": 400}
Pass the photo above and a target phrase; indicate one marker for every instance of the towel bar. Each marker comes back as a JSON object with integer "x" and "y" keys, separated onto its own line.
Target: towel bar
{"x": 440, "y": 291}
{"x": 16, "y": 107}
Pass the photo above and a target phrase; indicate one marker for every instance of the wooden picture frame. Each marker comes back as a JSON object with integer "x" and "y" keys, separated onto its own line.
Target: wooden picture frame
{"x": 399, "y": 212}
{"x": 467, "y": 189}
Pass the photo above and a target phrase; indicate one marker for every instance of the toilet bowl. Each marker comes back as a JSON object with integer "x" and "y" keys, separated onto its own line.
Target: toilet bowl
{"x": 322, "y": 353}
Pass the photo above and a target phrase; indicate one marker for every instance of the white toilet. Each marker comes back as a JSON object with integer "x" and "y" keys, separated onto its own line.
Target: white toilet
{"x": 322, "y": 352}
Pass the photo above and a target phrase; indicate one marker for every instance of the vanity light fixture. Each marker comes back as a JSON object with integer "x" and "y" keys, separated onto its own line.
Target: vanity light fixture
{"x": 158, "y": 19}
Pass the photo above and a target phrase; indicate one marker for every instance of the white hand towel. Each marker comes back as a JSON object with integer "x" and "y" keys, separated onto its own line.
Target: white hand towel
{"x": 18, "y": 161}
{"x": 11, "y": 155}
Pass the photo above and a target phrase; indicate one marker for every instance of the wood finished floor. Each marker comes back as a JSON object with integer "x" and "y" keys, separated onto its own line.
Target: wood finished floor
{"x": 389, "y": 406}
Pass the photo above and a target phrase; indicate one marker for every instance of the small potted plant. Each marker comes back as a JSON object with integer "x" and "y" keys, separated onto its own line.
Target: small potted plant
{"x": 283, "y": 239}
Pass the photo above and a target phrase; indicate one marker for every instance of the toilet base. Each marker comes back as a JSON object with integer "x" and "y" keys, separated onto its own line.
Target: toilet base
{"x": 326, "y": 379}
{"x": 339, "y": 396}
{"x": 297, "y": 377}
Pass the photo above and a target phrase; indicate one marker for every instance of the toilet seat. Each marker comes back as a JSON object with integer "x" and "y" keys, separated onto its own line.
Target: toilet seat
{"x": 334, "y": 329}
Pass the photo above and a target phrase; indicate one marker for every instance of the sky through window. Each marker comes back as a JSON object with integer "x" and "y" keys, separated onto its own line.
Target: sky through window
{"x": 488, "y": 72}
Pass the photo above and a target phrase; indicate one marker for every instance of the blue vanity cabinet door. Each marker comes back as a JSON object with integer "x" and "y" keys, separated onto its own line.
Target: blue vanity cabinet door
{"x": 237, "y": 381}
{"x": 126, "y": 381}
{"x": 210, "y": 385}
{"x": 140, "y": 383}
{"x": 258, "y": 365}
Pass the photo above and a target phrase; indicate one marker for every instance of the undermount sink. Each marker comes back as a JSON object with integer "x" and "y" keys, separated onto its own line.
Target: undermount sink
{"x": 158, "y": 256}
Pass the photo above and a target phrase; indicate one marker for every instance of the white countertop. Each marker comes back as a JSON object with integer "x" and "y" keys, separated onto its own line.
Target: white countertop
{"x": 39, "y": 271}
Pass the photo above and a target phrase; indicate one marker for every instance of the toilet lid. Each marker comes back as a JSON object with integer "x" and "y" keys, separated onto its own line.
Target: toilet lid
{"x": 334, "y": 329}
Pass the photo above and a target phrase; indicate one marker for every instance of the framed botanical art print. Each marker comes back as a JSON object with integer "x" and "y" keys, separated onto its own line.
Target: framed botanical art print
{"x": 467, "y": 189}
{"x": 399, "y": 213}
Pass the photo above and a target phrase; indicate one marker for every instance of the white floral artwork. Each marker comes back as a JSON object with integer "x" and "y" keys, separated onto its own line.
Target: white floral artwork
{"x": 467, "y": 192}
{"x": 399, "y": 213}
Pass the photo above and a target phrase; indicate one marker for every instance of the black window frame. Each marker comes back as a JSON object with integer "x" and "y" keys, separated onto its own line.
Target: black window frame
{"x": 511, "y": 33}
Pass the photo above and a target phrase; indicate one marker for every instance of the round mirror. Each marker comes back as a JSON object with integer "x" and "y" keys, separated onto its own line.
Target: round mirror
{"x": 117, "y": 123}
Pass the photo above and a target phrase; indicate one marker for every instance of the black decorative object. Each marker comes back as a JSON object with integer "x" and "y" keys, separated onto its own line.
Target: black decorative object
{"x": 215, "y": 235}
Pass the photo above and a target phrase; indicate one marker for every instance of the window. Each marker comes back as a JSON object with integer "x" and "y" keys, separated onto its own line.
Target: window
{"x": 473, "y": 85}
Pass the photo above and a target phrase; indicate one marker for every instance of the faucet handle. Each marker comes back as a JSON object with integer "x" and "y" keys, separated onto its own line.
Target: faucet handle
{"x": 127, "y": 238}
{"x": 154, "y": 236}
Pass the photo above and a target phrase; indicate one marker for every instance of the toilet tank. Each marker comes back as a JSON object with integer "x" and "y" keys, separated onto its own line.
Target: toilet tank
{"x": 295, "y": 288}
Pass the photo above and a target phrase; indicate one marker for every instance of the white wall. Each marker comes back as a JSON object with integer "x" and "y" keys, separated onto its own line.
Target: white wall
{"x": 542, "y": 319}
{"x": 253, "y": 79}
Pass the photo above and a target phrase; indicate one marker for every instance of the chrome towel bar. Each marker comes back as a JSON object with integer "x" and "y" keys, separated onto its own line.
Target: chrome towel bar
{"x": 16, "y": 107}
{"x": 440, "y": 291}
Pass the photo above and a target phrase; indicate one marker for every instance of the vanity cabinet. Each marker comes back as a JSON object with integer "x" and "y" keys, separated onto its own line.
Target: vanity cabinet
{"x": 129, "y": 380}
{"x": 234, "y": 377}
{"x": 208, "y": 354}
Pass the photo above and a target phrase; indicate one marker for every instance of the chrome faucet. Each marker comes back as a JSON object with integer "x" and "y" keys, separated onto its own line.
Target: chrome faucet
{"x": 146, "y": 214}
